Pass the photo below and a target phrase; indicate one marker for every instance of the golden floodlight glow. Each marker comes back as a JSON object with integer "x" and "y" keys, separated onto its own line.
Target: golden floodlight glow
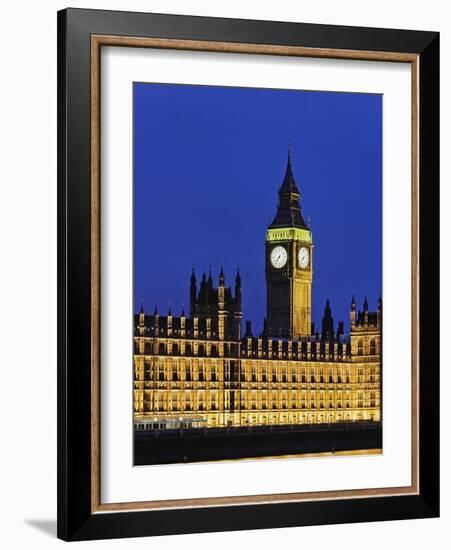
{"x": 289, "y": 234}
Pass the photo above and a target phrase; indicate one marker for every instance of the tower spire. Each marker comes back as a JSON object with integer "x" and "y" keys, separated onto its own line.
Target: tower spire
{"x": 238, "y": 278}
{"x": 221, "y": 277}
{"x": 289, "y": 183}
{"x": 289, "y": 209}
{"x": 238, "y": 288}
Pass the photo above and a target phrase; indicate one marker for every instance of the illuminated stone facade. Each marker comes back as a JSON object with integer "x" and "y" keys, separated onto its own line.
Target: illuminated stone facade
{"x": 200, "y": 371}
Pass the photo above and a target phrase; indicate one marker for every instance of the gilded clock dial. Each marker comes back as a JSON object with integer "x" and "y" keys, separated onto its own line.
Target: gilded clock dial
{"x": 303, "y": 257}
{"x": 279, "y": 257}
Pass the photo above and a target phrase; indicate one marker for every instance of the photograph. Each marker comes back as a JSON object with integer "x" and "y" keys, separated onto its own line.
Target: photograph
{"x": 257, "y": 273}
{"x": 248, "y": 273}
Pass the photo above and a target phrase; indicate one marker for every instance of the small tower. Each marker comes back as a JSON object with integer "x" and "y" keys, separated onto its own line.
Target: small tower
{"x": 203, "y": 290}
{"x": 142, "y": 327}
{"x": 156, "y": 318}
{"x": 209, "y": 288}
{"x": 192, "y": 293}
{"x": 365, "y": 335}
{"x": 238, "y": 289}
{"x": 365, "y": 312}
{"x": 217, "y": 307}
{"x": 183, "y": 322}
{"x": 169, "y": 322}
{"x": 379, "y": 312}
{"x": 353, "y": 313}
{"x": 221, "y": 290}
{"x": 327, "y": 332}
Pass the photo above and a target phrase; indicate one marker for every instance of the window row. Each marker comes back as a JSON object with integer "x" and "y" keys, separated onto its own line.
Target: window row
{"x": 178, "y": 401}
{"x": 232, "y": 372}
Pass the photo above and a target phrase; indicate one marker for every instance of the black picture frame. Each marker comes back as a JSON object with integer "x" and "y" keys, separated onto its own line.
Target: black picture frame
{"x": 76, "y": 519}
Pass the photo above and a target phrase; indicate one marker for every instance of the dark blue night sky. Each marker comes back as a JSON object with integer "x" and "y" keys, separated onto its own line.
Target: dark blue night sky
{"x": 208, "y": 163}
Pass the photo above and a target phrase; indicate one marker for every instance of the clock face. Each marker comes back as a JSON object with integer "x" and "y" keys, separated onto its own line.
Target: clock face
{"x": 279, "y": 257}
{"x": 303, "y": 258}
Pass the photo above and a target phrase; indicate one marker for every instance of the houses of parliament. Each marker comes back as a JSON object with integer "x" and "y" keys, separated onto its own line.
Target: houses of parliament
{"x": 200, "y": 371}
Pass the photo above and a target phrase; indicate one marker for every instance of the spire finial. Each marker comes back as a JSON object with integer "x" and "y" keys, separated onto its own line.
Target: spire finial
{"x": 141, "y": 311}
{"x": 289, "y": 167}
{"x": 155, "y": 310}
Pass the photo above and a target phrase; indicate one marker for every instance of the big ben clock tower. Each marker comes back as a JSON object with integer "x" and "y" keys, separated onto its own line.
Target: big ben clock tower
{"x": 288, "y": 265}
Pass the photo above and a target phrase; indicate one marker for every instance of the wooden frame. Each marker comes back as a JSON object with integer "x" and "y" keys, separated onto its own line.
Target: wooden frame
{"x": 81, "y": 34}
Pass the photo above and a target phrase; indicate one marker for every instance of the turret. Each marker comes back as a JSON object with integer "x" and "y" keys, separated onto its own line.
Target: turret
{"x": 218, "y": 304}
{"x": 192, "y": 293}
{"x": 353, "y": 313}
{"x": 328, "y": 323}
{"x": 182, "y": 322}
{"x": 365, "y": 312}
{"x": 169, "y": 321}
{"x": 221, "y": 290}
{"x": 209, "y": 288}
{"x": 156, "y": 320}
{"x": 238, "y": 289}
{"x": 203, "y": 289}
{"x": 379, "y": 312}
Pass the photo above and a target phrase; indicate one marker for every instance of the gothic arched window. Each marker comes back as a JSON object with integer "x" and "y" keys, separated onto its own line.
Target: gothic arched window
{"x": 372, "y": 346}
{"x": 360, "y": 347}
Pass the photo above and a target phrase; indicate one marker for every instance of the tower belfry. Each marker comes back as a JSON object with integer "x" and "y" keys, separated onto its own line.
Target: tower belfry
{"x": 289, "y": 264}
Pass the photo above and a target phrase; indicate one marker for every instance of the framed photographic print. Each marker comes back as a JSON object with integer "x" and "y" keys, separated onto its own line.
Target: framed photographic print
{"x": 248, "y": 274}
